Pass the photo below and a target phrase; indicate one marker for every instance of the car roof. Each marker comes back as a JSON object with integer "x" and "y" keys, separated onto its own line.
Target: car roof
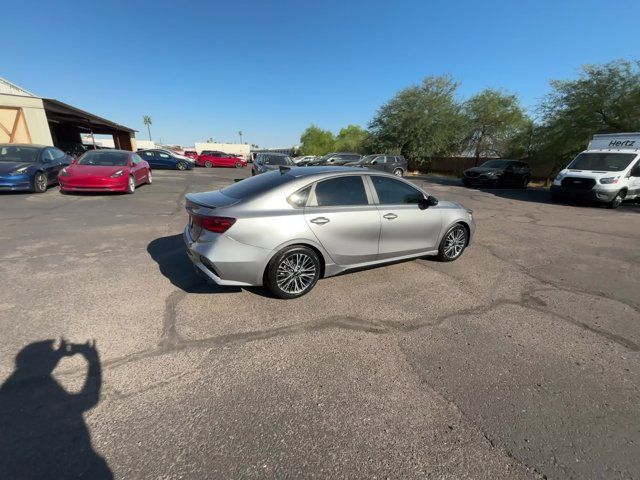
{"x": 301, "y": 172}
{"x": 110, "y": 150}
{"x": 24, "y": 145}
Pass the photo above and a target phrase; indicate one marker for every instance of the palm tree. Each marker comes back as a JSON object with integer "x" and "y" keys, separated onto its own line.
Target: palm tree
{"x": 147, "y": 121}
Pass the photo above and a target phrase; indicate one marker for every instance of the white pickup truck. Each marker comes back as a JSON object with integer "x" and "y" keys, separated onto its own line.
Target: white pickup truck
{"x": 607, "y": 172}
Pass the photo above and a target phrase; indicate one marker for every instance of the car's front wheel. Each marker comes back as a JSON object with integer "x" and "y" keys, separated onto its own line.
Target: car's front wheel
{"x": 182, "y": 165}
{"x": 149, "y": 177}
{"x": 40, "y": 183}
{"x": 208, "y": 164}
{"x": 131, "y": 184}
{"x": 293, "y": 272}
{"x": 453, "y": 243}
{"x": 398, "y": 172}
{"x": 239, "y": 165}
{"x": 617, "y": 201}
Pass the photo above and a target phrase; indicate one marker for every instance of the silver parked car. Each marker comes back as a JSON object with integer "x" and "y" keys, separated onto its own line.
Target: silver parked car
{"x": 287, "y": 228}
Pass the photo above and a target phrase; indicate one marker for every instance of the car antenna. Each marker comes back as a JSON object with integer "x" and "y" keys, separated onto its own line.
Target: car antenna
{"x": 284, "y": 169}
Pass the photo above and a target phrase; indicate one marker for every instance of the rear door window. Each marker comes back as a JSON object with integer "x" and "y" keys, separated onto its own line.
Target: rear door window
{"x": 341, "y": 192}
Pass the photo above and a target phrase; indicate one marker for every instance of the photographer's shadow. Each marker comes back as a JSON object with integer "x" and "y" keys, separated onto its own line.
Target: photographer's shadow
{"x": 42, "y": 429}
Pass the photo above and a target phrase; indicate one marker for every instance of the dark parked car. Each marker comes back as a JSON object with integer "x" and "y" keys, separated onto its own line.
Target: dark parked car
{"x": 395, "y": 164}
{"x": 496, "y": 173}
{"x": 30, "y": 167}
{"x": 263, "y": 162}
{"x": 165, "y": 159}
{"x": 335, "y": 158}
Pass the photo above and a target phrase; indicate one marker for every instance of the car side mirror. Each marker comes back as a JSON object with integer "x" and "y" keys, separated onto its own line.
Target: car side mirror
{"x": 425, "y": 203}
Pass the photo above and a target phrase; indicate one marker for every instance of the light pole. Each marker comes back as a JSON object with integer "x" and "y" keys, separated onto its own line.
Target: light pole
{"x": 240, "y": 133}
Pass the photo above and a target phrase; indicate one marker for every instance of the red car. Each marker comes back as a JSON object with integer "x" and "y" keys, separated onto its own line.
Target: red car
{"x": 105, "y": 171}
{"x": 220, "y": 159}
{"x": 191, "y": 154}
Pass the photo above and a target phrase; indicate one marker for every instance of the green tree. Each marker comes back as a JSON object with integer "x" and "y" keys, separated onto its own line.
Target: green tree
{"x": 146, "y": 119}
{"x": 351, "y": 139}
{"x": 603, "y": 99}
{"x": 315, "y": 141}
{"x": 420, "y": 122}
{"x": 493, "y": 120}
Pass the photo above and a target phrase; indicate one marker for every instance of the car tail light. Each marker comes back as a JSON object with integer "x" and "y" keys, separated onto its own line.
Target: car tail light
{"x": 214, "y": 224}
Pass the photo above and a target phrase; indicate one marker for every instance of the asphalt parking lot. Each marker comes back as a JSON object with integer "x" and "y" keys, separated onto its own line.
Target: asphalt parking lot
{"x": 519, "y": 360}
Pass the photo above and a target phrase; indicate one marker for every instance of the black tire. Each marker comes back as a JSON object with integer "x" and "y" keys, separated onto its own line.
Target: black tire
{"x": 453, "y": 243}
{"x": 238, "y": 165}
{"x": 466, "y": 183}
{"x": 288, "y": 261}
{"x": 525, "y": 181}
{"x": 617, "y": 201}
{"x": 131, "y": 185}
{"x": 398, "y": 172}
{"x": 181, "y": 165}
{"x": 208, "y": 164}
{"x": 39, "y": 183}
{"x": 556, "y": 198}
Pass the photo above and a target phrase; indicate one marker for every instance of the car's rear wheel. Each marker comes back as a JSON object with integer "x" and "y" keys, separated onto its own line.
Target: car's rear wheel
{"x": 525, "y": 181}
{"x": 398, "y": 172}
{"x": 182, "y": 165}
{"x": 238, "y": 164}
{"x": 131, "y": 184}
{"x": 208, "y": 164}
{"x": 293, "y": 272}
{"x": 453, "y": 243}
{"x": 40, "y": 183}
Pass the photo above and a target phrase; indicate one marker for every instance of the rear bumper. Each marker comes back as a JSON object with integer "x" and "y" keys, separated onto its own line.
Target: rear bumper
{"x": 226, "y": 261}
{"x": 592, "y": 195}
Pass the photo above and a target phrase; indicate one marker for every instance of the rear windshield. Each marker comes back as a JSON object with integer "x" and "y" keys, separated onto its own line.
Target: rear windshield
{"x": 252, "y": 186}
{"x": 607, "y": 162}
{"x": 276, "y": 160}
{"x": 496, "y": 164}
{"x": 19, "y": 154}
{"x": 104, "y": 158}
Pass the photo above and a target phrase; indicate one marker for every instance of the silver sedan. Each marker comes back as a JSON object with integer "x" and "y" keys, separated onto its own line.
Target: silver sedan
{"x": 287, "y": 228}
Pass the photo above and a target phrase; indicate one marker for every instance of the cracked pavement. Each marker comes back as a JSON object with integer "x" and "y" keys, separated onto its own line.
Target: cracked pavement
{"x": 519, "y": 360}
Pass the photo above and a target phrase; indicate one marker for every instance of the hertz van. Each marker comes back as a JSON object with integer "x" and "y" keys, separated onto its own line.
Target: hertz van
{"x": 608, "y": 172}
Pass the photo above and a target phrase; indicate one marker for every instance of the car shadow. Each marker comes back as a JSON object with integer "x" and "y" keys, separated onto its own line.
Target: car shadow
{"x": 171, "y": 256}
{"x": 42, "y": 429}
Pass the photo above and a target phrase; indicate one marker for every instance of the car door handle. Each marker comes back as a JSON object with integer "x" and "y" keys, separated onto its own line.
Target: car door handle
{"x": 390, "y": 216}
{"x": 320, "y": 220}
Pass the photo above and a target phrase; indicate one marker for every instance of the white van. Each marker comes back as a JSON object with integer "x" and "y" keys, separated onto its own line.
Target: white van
{"x": 607, "y": 172}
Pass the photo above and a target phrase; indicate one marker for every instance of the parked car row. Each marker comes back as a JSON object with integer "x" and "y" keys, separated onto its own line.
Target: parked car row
{"x": 395, "y": 164}
{"x": 608, "y": 172}
{"x": 37, "y": 167}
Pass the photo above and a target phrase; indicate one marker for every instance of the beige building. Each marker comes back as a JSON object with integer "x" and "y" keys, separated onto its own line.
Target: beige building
{"x": 26, "y": 118}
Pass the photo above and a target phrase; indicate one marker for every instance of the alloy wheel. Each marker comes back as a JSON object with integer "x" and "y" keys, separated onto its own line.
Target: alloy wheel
{"x": 455, "y": 242}
{"x": 296, "y": 273}
{"x": 208, "y": 164}
{"x": 132, "y": 185}
{"x": 182, "y": 166}
{"x": 398, "y": 172}
{"x": 41, "y": 182}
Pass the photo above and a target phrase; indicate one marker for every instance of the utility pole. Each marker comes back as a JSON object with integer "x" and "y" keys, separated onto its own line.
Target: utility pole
{"x": 240, "y": 133}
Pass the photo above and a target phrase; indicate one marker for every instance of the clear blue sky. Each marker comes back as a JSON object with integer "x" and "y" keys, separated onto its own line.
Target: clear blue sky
{"x": 270, "y": 68}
